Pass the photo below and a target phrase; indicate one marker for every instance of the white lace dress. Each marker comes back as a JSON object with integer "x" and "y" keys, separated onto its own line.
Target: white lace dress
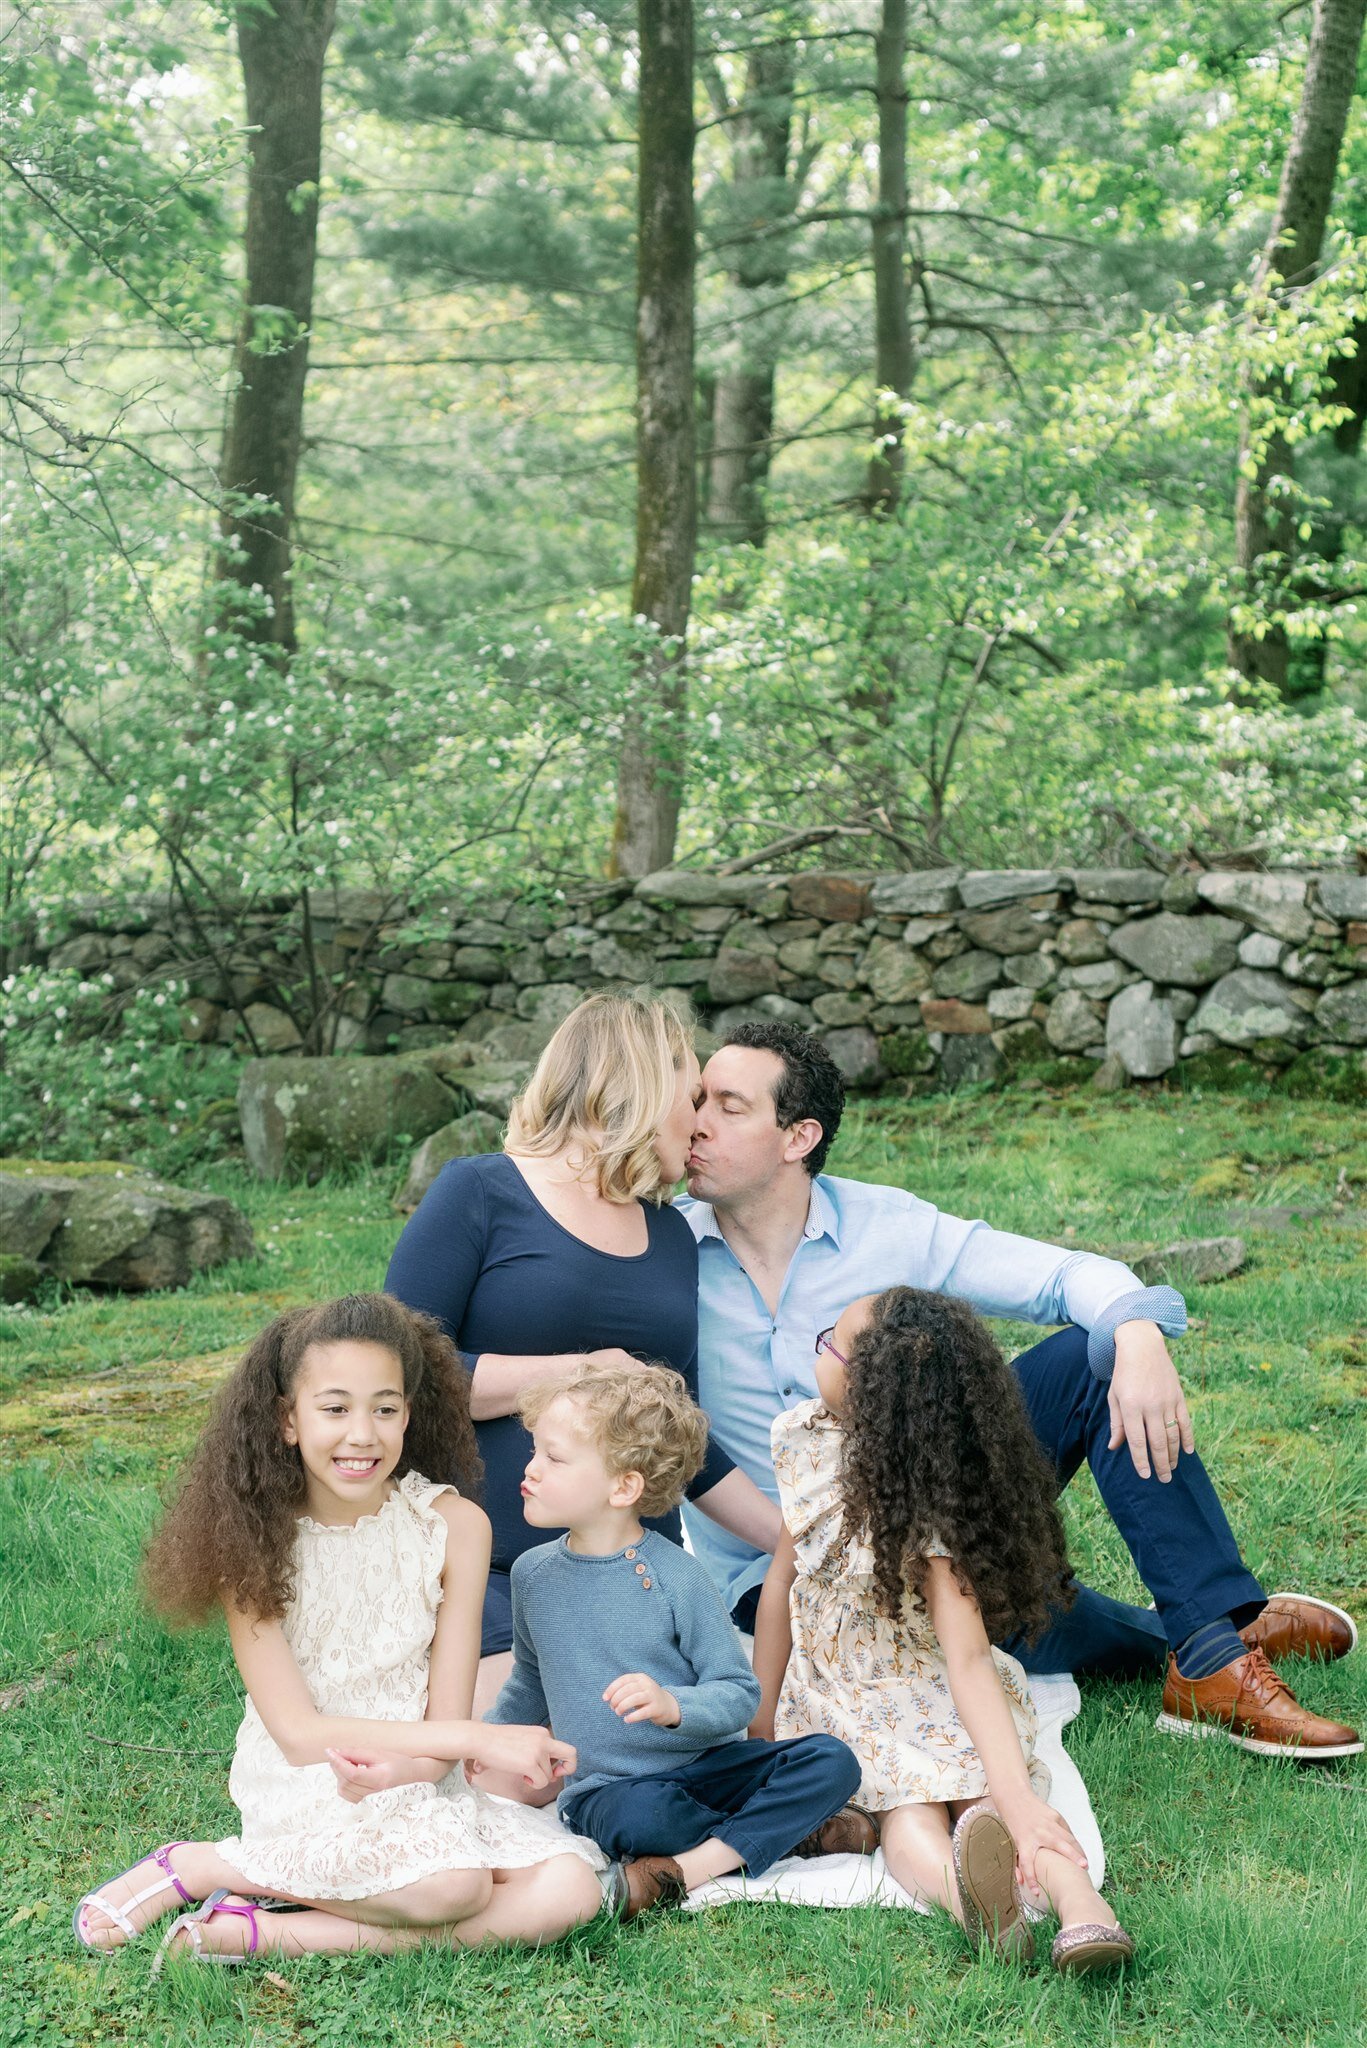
{"x": 361, "y": 1625}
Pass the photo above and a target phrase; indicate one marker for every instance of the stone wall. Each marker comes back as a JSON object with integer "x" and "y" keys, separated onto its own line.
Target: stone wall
{"x": 931, "y": 979}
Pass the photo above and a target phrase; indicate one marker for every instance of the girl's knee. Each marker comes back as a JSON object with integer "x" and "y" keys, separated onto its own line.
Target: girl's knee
{"x": 447, "y": 1895}
{"x": 569, "y": 1890}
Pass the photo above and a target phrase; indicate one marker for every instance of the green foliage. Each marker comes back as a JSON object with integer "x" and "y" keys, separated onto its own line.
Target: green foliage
{"x": 89, "y": 1076}
{"x": 1028, "y": 663}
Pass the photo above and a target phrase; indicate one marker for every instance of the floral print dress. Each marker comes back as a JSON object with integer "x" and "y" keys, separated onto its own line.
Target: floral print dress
{"x": 881, "y": 1686}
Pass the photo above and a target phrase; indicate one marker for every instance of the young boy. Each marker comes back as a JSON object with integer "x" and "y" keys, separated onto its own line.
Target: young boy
{"x": 621, "y": 1643}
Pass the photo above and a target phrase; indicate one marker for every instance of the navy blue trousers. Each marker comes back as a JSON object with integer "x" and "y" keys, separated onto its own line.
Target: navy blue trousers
{"x": 1182, "y": 1546}
{"x": 760, "y": 1798}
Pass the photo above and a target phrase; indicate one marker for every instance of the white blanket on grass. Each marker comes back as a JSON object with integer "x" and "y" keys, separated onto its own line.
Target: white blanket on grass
{"x": 864, "y": 1880}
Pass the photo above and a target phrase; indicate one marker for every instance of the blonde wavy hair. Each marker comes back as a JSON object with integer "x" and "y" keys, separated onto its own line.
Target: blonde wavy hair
{"x": 644, "y": 1422}
{"x": 603, "y": 1087}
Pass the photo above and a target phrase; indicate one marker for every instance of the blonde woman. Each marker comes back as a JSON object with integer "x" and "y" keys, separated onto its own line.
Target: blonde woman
{"x": 564, "y": 1247}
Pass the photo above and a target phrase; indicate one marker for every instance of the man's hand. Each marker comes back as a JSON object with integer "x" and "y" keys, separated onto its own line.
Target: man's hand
{"x": 531, "y": 1753}
{"x": 1148, "y": 1411}
{"x": 359, "y": 1772}
{"x": 638, "y": 1698}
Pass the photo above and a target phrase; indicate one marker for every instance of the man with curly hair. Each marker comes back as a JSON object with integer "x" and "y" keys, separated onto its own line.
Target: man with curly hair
{"x": 783, "y": 1247}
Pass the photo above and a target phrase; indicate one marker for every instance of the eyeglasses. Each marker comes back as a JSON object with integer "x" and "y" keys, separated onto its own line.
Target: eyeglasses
{"x": 823, "y": 1343}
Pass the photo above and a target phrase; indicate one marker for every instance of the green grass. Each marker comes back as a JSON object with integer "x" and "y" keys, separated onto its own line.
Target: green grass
{"x": 1242, "y": 1881}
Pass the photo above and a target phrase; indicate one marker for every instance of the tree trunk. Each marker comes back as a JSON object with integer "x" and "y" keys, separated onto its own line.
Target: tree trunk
{"x": 650, "y": 774}
{"x": 894, "y": 349}
{"x": 282, "y": 47}
{"x": 743, "y": 405}
{"x": 1264, "y": 516}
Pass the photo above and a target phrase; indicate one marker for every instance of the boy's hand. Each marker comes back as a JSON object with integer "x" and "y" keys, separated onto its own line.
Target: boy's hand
{"x": 359, "y": 1772}
{"x": 530, "y": 1753}
{"x": 638, "y": 1698}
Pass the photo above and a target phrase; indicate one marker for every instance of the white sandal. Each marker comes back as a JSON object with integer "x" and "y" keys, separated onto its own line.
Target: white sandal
{"x": 119, "y": 1913}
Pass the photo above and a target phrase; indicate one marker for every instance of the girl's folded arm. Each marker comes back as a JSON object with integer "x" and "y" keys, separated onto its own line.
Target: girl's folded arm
{"x": 303, "y": 1735}
{"x": 774, "y": 1634}
{"x": 454, "y": 1659}
{"x": 976, "y": 1686}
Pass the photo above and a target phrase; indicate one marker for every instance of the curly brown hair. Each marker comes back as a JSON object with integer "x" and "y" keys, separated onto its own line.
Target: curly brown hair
{"x": 231, "y": 1529}
{"x": 938, "y": 1449}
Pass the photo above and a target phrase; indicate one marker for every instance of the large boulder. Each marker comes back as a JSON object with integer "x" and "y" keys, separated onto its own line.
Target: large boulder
{"x": 465, "y": 1137}
{"x": 115, "y": 1226}
{"x": 1191, "y": 951}
{"x": 1142, "y": 1032}
{"x": 301, "y": 1115}
{"x": 1270, "y": 903}
{"x": 1191, "y": 1261}
{"x": 1250, "y": 1007}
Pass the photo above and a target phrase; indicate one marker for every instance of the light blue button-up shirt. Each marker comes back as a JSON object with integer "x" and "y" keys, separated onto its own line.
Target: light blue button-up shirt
{"x": 860, "y": 1238}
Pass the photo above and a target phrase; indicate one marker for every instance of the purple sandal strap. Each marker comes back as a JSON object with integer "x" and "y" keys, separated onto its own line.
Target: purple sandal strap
{"x": 162, "y": 1857}
{"x": 243, "y": 1912}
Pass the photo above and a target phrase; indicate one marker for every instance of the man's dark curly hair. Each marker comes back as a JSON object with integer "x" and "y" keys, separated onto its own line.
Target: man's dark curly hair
{"x": 810, "y": 1085}
{"x": 231, "y": 1531}
{"x": 938, "y": 1449}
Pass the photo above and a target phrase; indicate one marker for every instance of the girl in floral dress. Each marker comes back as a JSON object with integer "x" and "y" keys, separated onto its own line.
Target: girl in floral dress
{"x": 352, "y": 1585}
{"x": 920, "y": 1526}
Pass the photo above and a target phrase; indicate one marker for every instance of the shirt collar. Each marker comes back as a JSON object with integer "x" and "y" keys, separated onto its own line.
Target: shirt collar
{"x": 822, "y": 1219}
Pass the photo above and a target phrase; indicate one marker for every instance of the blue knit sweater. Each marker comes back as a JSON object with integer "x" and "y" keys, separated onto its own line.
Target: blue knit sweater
{"x": 581, "y": 1622}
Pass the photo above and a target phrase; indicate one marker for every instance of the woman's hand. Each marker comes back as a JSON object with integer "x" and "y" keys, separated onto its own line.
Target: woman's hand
{"x": 1035, "y": 1826}
{"x": 619, "y": 1360}
{"x": 761, "y": 1729}
{"x": 359, "y": 1772}
{"x": 533, "y": 1754}
{"x": 638, "y": 1698}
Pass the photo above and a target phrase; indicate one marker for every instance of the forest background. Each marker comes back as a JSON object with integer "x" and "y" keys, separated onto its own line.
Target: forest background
{"x": 450, "y": 441}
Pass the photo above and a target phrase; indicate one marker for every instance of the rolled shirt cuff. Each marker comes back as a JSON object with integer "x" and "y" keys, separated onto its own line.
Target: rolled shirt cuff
{"x": 1161, "y": 1305}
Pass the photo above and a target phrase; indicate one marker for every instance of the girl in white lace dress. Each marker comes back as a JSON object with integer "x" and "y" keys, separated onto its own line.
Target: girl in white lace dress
{"x": 919, "y": 1525}
{"x": 352, "y": 1586}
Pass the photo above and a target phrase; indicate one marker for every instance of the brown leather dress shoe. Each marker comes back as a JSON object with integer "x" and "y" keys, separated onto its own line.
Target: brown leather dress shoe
{"x": 851, "y": 1832}
{"x": 1297, "y": 1625}
{"x": 645, "y": 1882}
{"x": 1247, "y": 1702}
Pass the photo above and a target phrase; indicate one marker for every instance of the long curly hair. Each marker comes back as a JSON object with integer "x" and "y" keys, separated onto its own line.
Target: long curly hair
{"x": 231, "y": 1530}
{"x": 938, "y": 1451}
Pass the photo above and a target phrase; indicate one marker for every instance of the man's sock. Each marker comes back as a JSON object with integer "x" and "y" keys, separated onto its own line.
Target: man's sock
{"x": 1210, "y": 1648}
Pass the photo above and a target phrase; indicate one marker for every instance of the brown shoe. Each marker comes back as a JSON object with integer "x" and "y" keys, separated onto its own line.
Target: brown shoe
{"x": 1297, "y": 1625}
{"x": 851, "y": 1832}
{"x": 1256, "y": 1710}
{"x": 645, "y": 1882}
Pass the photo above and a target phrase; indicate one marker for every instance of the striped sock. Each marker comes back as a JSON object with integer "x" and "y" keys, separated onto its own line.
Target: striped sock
{"x": 1210, "y": 1648}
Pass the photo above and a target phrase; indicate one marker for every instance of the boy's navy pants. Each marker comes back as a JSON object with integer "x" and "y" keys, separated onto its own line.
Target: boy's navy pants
{"x": 761, "y": 1798}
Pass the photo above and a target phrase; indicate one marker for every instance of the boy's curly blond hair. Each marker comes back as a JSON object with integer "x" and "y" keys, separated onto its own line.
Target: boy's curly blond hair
{"x": 642, "y": 1422}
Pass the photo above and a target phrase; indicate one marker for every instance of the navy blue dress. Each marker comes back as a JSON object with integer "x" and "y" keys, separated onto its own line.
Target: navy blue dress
{"x": 497, "y": 1271}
